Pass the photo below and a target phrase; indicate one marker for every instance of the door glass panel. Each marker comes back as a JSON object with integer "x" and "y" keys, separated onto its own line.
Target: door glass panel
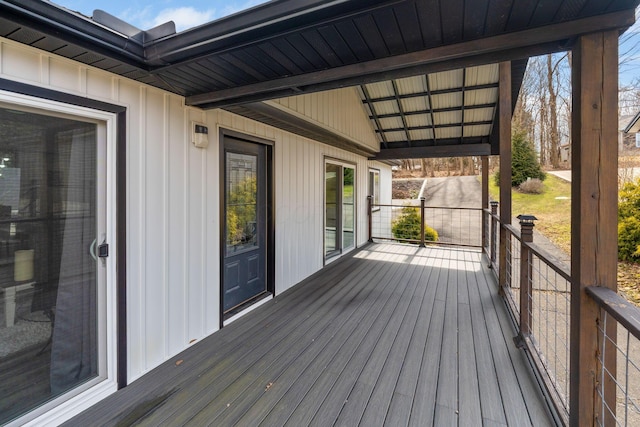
{"x": 332, "y": 194}
{"x": 48, "y": 284}
{"x": 241, "y": 202}
{"x": 348, "y": 208}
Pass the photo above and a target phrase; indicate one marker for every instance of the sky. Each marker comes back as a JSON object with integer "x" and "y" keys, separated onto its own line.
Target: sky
{"x": 146, "y": 14}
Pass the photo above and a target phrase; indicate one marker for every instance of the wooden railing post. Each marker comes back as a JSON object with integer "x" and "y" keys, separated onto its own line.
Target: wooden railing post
{"x": 505, "y": 111}
{"x": 594, "y": 220}
{"x": 494, "y": 226}
{"x": 370, "y": 209}
{"x": 422, "y": 245}
{"x": 526, "y": 279}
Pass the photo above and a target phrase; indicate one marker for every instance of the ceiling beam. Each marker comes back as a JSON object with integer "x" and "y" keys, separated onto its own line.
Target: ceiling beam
{"x": 278, "y": 117}
{"x": 460, "y": 150}
{"x": 509, "y": 46}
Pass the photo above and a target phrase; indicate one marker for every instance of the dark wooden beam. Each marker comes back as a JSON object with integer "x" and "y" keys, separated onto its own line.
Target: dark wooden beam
{"x": 273, "y": 116}
{"x": 514, "y": 45}
{"x": 504, "y": 111}
{"x": 432, "y": 151}
{"x": 594, "y": 217}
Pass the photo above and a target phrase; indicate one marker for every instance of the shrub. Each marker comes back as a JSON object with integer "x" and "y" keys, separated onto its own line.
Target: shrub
{"x": 629, "y": 222}
{"x": 629, "y": 239}
{"x": 532, "y": 186}
{"x": 407, "y": 226}
{"x": 524, "y": 161}
{"x": 629, "y": 199}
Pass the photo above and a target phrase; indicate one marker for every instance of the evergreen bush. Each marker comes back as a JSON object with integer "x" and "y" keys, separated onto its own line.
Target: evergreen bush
{"x": 524, "y": 161}
{"x": 407, "y": 226}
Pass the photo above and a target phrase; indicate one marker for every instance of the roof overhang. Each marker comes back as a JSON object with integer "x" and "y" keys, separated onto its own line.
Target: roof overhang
{"x": 290, "y": 47}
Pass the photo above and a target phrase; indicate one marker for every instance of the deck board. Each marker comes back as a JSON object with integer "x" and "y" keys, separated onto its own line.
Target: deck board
{"x": 389, "y": 335}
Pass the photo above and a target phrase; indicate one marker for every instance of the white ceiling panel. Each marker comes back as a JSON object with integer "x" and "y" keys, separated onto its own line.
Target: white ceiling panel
{"x": 409, "y": 85}
{"x": 481, "y": 96}
{"x": 446, "y": 133}
{"x": 386, "y": 107}
{"x": 447, "y": 100}
{"x": 482, "y": 75}
{"x": 446, "y": 80}
{"x": 415, "y": 104}
{"x": 419, "y": 120}
{"x": 380, "y": 89}
{"x": 477, "y": 130}
{"x": 391, "y": 122}
{"x": 447, "y": 118}
{"x": 421, "y": 135}
{"x": 478, "y": 115}
{"x": 396, "y": 136}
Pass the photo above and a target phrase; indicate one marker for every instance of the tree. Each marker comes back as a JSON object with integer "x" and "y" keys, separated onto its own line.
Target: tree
{"x": 524, "y": 161}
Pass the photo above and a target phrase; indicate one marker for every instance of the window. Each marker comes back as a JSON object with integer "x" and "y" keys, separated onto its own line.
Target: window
{"x": 374, "y": 187}
{"x": 340, "y": 218}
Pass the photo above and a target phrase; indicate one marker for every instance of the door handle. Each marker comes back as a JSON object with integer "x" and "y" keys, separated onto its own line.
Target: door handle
{"x": 92, "y": 250}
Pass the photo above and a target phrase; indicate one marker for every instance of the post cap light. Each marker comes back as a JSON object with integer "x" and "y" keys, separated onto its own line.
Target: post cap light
{"x": 526, "y": 219}
{"x": 493, "y": 203}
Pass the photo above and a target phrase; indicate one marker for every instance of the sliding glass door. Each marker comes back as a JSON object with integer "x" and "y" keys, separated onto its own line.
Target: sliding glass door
{"x": 339, "y": 203}
{"x": 52, "y": 221}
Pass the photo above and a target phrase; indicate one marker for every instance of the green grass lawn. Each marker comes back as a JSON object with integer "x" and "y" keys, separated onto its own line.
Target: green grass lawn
{"x": 552, "y": 208}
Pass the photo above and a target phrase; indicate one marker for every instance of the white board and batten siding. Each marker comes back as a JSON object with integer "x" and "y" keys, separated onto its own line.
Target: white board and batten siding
{"x": 339, "y": 110}
{"x": 173, "y": 224}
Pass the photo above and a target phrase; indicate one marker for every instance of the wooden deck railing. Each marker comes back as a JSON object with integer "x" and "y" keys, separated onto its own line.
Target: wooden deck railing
{"x": 537, "y": 291}
{"x": 407, "y": 223}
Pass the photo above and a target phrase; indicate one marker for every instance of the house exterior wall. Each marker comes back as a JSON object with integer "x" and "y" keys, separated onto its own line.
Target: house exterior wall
{"x": 338, "y": 110}
{"x": 173, "y": 201}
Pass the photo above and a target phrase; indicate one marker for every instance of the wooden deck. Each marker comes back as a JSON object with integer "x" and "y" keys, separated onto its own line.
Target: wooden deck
{"x": 389, "y": 335}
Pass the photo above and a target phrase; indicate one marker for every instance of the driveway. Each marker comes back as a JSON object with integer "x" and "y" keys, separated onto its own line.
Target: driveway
{"x": 454, "y": 191}
{"x": 457, "y": 226}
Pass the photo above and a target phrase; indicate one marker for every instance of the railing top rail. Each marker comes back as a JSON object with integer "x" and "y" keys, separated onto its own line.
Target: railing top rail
{"x": 427, "y": 207}
{"x": 555, "y": 264}
{"x": 453, "y": 207}
{"x": 626, "y": 313}
{"x": 513, "y": 230}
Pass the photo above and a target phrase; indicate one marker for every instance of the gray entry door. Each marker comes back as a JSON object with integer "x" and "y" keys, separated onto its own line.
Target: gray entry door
{"x": 245, "y": 200}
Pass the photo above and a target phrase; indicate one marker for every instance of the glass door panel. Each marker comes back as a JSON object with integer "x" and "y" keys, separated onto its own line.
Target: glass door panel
{"x": 339, "y": 205}
{"x": 48, "y": 268}
{"x": 332, "y": 203}
{"x": 245, "y": 199}
{"x": 348, "y": 208}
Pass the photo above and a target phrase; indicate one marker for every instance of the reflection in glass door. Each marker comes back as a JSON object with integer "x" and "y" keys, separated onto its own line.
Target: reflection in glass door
{"x": 339, "y": 192}
{"x": 50, "y": 223}
{"x": 245, "y": 202}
